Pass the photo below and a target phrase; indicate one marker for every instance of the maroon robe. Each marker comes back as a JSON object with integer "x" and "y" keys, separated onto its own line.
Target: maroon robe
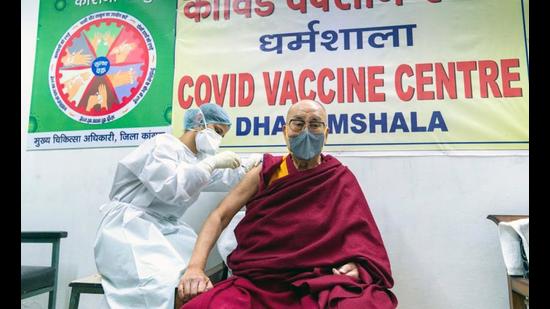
{"x": 297, "y": 229}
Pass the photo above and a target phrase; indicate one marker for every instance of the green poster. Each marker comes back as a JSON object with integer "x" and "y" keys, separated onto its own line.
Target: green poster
{"x": 103, "y": 73}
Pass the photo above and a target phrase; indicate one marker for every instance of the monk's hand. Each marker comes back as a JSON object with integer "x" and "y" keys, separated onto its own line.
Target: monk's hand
{"x": 193, "y": 282}
{"x": 348, "y": 269}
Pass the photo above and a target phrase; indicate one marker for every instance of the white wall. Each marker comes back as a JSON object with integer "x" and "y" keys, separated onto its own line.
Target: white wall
{"x": 430, "y": 210}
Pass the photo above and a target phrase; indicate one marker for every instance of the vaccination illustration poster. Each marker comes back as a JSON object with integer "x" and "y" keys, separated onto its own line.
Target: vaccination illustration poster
{"x": 399, "y": 75}
{"x": 103, "y": 73}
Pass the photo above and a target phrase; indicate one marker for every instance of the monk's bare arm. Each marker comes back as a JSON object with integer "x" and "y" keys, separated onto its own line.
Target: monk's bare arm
{"x": 222, "y": 215}
{"x": 194, "y": 281}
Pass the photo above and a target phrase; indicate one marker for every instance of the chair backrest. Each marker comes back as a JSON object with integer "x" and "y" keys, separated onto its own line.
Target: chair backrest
{"x": 54, "y": 238}
{"x": 505, "y": 218}
{"x": 518, "y": 287}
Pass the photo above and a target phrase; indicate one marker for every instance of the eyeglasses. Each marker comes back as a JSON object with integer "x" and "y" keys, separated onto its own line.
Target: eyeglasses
{"x": 298, "y": 125}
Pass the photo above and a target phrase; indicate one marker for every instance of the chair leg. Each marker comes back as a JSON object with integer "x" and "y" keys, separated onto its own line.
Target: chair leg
{"x": 510, "y": 292}
{"x": 75, "y": 299}
{"x": 518, "y": 301}
{"x": 51, "y": 299}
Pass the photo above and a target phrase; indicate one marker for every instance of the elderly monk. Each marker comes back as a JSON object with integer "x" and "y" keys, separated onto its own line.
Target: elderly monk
{"x": 308, "y": 239}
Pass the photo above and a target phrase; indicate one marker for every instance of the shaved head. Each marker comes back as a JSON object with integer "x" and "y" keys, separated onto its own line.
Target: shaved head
{"x": 306, "y": 132}
{"x": 306, "y": 109}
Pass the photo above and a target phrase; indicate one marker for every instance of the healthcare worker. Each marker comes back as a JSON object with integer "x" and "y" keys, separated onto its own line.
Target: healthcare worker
{"x": 142, "y": 246}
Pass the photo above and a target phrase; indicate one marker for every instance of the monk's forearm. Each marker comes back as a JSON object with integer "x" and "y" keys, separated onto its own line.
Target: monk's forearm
{"x": 218, "y": 220}
{"x": 208, "y": 235}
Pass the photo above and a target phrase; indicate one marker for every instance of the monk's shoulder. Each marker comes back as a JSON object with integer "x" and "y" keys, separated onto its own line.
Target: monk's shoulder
{"x": 338, "y": 166}
{"x": 270, "y": 160}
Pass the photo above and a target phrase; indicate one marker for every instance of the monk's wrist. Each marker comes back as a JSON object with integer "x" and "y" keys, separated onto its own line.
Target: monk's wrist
{"x": 196, "y": 265}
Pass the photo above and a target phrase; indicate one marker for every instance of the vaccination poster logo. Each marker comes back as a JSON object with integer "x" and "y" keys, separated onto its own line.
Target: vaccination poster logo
{"x": 400, "y": 75}
{"x": 102, "y": 67}
{"x": 106, "y": 85}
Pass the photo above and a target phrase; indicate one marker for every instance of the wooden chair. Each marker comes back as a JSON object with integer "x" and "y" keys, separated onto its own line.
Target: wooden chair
{"x": 41, "y": 279}
{"x": 92, "y": 284}
{"x": 518, "y": 287}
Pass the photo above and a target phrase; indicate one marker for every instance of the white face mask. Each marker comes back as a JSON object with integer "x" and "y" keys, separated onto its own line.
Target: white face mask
{"x": 208, "y": 141}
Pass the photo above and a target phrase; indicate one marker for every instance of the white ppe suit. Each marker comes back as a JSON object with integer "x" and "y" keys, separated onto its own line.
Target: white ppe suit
{"x": 142, "y": 247}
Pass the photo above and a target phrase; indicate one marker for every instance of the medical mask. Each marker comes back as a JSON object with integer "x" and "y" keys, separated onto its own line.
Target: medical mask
{"x": 208, "y": 141}
{"x": 306, "y": 145}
